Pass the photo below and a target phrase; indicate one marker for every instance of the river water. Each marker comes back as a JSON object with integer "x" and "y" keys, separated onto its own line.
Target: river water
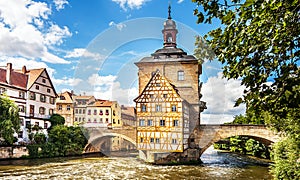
{"x": 216, "y": 166}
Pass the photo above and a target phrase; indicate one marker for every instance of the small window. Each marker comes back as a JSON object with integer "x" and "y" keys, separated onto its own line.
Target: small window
{"x": 95, "y": 111}
{"x": 151, "y": 140}
{"x": 144, "y": 108}
{"x": 43, "y": 98}
{"x": 62, "y": 98}
{"x": 142, "y": 122}
{"x": 95, "y": 120}
{"x": 44, "y": 80}
{"x": 158, "y": 108}
{"x": 21, "y": 94}
{"x": 59, "y": 107}
{"x": 79, "y": 111}
{"x": 27, "y": 124}
{"x": 42, "y": 110}
{"x": 106, "y": 120}
{"x": 157, "y": 140}
{"x": 32, "y": 96}
{"x": 37, "y": 87}
{"x": 106, "y": 112}
{"x": 51, "y": 111}
{"x": 162, "y": 122}
{"x": 101, "y": 112}
{"x": 150, "y": 122}
{"x": 174, "y": 141}
{"x": 174, "y": 108}
{"x": 180, "y": 75}
{"x": 157, "y": 84}
{"x": 151, "y": 96}
{"x": 68, "y": 107}
{"x": 83, "y": 111}
{"x": 141, "y": 140}
{"x": 51, "y": 100}
{"x": 20, "y": 134}
{"x": 48, "y": 90}
{"x": 21, "y": 108}
{"x": 76, "y": 111}
{"x": 46, "y": 125}
{"x": 114, "y": 121}
{"x": 2, "y": 90}
{"x": 165, "y": 95}
{"x": 175, "y": 123}
{"x": 101, "y": 120}
{"x": 89, "y": 112}
{"x": 76, "y": 119}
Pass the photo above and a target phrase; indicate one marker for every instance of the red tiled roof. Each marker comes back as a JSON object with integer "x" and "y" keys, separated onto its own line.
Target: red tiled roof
{"x": 17, "y": 79}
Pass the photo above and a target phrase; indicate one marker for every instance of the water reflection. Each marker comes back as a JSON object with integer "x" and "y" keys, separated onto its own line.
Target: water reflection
{"x": 214, "y": 167}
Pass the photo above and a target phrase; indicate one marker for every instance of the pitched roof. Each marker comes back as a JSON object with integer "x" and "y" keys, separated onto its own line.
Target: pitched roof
{"x": 67, "y": 95}
{"x": 102, "y": 103}
{"x": 17, "y": 79}
{"x": 166, "y": 86}
{"x": 33, "y": 75}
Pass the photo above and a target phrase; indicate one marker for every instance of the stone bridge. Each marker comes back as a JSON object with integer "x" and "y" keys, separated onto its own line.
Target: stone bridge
{"x": 201, "y": 137}
{"x": 205, "y": 135}
{"x": 96, "y": 134}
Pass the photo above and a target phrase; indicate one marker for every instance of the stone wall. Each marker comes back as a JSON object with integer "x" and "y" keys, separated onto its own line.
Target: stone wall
{"x": 13, "y": 152}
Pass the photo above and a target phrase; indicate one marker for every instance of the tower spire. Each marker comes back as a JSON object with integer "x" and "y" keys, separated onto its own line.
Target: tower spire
{"x": 169, "y": 11}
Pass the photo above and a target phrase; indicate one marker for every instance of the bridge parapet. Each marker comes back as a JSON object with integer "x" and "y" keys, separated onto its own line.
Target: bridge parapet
{"x": 205, "y": 135}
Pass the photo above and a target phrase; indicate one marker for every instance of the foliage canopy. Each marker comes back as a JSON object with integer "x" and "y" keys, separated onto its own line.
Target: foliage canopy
{"x": 258, "y": 42}
{"x": 9, "y": 120}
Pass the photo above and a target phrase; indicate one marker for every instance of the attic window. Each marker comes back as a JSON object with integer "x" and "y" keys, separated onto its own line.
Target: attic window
{"x": 44, "y": 80}
{"x": 37, "y": 87}
{"x": 48, "y": 90}
{"x": 62, "y": 98}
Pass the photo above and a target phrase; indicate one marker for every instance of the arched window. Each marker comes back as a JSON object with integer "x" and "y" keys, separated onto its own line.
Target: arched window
{"x": 169, "y": 38}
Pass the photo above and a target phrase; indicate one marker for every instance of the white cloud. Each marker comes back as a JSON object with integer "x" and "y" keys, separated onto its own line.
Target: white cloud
{"x": 180, "y": 1}
{"x": 106, "y": 87}
{"x": 132, "y": 4}
{"x": 67, "y": 81}
{"x": 26, "y": 31}
{"x": 60, "y": 4}
{"x": 119, "y": 26}
{"x": 220, "y": 95}
{"x": 56, "y": 35}
{"x": 81, "y": 52}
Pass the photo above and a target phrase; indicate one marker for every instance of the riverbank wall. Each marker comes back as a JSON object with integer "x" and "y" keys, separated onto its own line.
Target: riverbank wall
{"x": 13, "y": 152}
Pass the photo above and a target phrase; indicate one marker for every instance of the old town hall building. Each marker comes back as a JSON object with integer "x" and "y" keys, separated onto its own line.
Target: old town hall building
{"x": 168, "y": 106}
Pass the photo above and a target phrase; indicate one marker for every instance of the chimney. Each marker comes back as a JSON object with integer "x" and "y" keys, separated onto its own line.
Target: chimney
{"x": 24, "y": 70}
{"x": 8, "y": 73}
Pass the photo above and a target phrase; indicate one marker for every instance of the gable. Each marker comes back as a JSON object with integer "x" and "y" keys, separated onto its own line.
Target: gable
{"x": 158, "y": 89}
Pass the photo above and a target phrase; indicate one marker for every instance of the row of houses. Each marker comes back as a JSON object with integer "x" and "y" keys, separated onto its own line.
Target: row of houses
{"x": 34, "y": 93}
{"x": 91, "y": 112}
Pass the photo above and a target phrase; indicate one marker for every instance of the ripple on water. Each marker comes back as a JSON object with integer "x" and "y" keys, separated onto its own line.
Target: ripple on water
{"x": 129, "y": 168}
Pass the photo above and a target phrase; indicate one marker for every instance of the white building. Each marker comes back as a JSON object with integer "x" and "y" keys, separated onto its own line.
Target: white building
{"x": 34, "y": 93}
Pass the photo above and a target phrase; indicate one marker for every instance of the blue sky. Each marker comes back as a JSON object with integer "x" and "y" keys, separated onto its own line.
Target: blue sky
{"x": 90, "y": 46}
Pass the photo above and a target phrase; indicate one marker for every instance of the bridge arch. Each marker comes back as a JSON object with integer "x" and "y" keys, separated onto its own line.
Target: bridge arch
{"x": 205, "y": 135}
{"x": 93, "y": 140}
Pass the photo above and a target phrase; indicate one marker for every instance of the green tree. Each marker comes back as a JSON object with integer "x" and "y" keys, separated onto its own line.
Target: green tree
{"x": 259, "y": 43}
{"x": 56, "y": 119}
{"x": 9, "y": 120}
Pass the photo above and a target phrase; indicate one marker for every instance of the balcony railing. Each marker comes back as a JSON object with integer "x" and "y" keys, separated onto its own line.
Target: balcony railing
{"x": 36, "y": 115}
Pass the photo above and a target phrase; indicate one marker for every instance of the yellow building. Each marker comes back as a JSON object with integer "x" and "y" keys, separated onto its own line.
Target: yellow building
{"x": 65, "y": 107}
{"x": 103, "y": 113}
{"x": 163, "y": 118}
